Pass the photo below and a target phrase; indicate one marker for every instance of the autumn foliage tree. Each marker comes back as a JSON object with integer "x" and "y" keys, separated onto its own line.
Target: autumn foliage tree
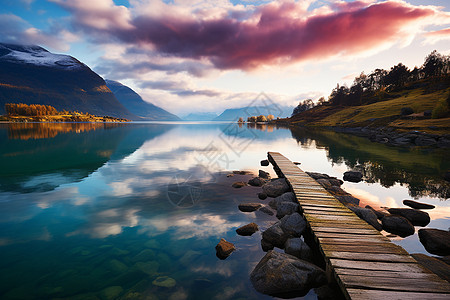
{"x": 20, "y": 109}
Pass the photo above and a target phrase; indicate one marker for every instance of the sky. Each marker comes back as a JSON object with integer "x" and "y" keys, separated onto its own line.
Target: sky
{"x": 206, "y": 56}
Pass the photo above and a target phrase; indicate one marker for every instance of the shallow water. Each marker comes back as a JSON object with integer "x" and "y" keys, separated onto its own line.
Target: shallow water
{"x": 100, "y": 211}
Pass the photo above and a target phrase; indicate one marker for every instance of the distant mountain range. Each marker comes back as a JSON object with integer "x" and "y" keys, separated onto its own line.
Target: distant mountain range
{"x": 33, "y": 75}
{"x": 136, "y": 105}
{"x": 234, "y": 114}
{"x": 208, "y": 116}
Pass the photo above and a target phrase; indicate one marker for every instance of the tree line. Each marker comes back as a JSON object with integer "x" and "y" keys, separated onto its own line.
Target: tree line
{"x": 375, "y": 86}
{"x": 21, "y": 109}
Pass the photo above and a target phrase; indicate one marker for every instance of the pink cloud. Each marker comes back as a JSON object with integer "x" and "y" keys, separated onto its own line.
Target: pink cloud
{"x": 276, "y": 33}
{"x": 443, "y": 32}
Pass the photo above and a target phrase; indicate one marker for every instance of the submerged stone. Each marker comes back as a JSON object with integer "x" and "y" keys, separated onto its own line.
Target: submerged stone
{"x": 417, "y": 205}
{"x": 164, "y": 281}
{"x": 149, "y": 268}
{"x": 249, "y": 207}
{"x": 248, "y": 229}
{"x": 110, "y": 293}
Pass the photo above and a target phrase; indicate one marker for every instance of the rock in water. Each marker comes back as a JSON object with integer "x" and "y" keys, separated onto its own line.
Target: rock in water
{"x": 293, "y": 224}
{"x": 257, "y": 181}
{"x": 347, "y": 199}
{"x": 264, "y": 163}
{"x": 435, "y": 241}
{"x": 262, "y": 196}
{"x": 417, "y": 205}
{"x": 248, "y": 229}
{"x": 276, "y": 187}
{"x": 263, "y": 174}
{"x": 286, "y": 208}
{"x": 164, "y": 281}
{"x": 397, "y": 225}
{"x": 266, "y": 210}
{"x": 238, "y": 184}
{"x": 380, "y": 214}
{"x": 275, "y": 235}
{"x": 298, "y": 248}
{"x": 281, "y": 275}
{"x": 224, "y": 249}
{"x": 367, "y": 215}
{"x": 286, "y": 197}
{"x": 416, "y": 217}
{"x": 249, "y": 207}
{"x": 353, "y": 176}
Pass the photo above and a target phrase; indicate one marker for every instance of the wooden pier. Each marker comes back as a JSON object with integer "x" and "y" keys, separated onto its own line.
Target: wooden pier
{"x": 364, "y": 263}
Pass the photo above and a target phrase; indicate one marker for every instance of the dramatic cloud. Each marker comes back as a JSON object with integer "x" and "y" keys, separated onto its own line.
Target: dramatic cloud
{"x": 275, "y": 33}
{"x": 14, "y": 29}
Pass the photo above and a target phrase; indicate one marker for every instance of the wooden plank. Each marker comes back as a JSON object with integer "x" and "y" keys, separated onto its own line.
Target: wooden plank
{"x": 397, "y": 284}
{"x": 318, "y": 229}
{"x": 340, "y": 235}
{"x": 344, "y": 219}
{"x": 363, "y": 294}
{"x": 380, "y": 266}
{"x": 369, "y": 257}
{"x": 386, "y": 274}
{"x": 370, "y": 240}
{"x": 318, "y": 204}
{"x": 336, "y": 224}
{"x": 323, "y": 207}
{"x": 385, "y": 249}
{"x": 327, "y": 213}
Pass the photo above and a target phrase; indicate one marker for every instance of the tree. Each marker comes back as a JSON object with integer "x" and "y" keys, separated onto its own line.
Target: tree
{"x": 270, "y": 117}
{"x": 240, "y": 120}
{"x": 397, "y": 76}
{"x": 303, "y": 106}
{"x": 435, "y": 64}
{"x": 261, "y": 118}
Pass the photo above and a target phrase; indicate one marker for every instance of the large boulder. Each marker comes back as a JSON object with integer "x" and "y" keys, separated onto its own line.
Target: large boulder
{"x": 353, "y": 176}
{"x": 418, "y": 205}
{"x": 380, "y": 214}
{"x": 275, "y": 235}
{"x": 286, "y": 197}
{"x": 416, "y": 217}
{"x": 324, "y": 182}
{"x": 286, "y": 208}
{"x": 284, "y": 275}
{"x": 276, "y": 187}
{"x": 248, "y": 229}
{"x": 293, "y": 224}
{"x": 397, "y": 225}
{"x": 249, "y": 207}
{"x": 367, "y": 215}
{"x": 224, "y": 249}
{"x": 264, "y": 174}
{"x": 298, "y": 248}
{"x": 435, "y": 241}
{"x": 257, "y": 181}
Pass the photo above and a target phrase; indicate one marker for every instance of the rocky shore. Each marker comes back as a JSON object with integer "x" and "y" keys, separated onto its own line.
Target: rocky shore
{"x": 392, "y": 137}
{"x": 300, "y": 267}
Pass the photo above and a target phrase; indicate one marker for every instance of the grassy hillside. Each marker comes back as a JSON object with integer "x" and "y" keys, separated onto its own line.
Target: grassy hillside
{"x": 420, "y": 97}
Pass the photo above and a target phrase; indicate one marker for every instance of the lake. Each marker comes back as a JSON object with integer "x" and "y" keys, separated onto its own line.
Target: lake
{"x": 134, "y": 211}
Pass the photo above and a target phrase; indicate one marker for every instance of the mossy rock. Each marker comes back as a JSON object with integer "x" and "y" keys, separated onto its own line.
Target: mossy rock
{"x": 145, "y": 255}
{"x": 117, "y": 266}
{"x": 164, "y": 281}
{"x": 111, "y": 292}
{"x": 118, "y": 252}
{"x": 150, "y": 268}
{"x": 154, "y": 244}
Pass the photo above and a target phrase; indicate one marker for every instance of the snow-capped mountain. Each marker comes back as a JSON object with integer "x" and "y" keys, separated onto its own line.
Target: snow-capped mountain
{"x": 33, "y": 75}
{"x": 35, "y": 55}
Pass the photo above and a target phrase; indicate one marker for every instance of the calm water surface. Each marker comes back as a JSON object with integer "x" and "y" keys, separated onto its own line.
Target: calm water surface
{"x": 106, "y": 211}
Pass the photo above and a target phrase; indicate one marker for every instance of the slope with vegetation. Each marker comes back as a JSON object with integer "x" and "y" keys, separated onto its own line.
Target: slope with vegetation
{"x": 400, "y": 98}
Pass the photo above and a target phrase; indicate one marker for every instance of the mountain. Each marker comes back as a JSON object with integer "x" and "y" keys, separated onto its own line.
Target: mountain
{"x": 33, "y": 75}
{"x": 136, "y": 105}
{"x": 234, "y": 114}
{"x": 207, "y": 116}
